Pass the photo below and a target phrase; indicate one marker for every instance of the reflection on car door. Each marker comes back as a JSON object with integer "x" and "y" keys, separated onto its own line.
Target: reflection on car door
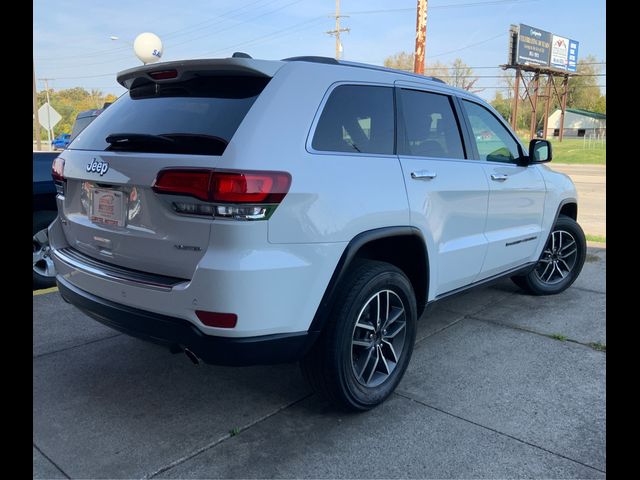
{"x": 516, "y": 194}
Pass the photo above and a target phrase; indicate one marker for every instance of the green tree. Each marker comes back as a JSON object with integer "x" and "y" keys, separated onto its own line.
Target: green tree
{"x": 584, "y": 92}
{"x": 68, "y": 103}
{"x": 438, "y": 70}
{"x": 601, "y": 104}
{"x": 400, "y": 61}
{"x": 461, "y": 76}
{"x": 502, "y": 105}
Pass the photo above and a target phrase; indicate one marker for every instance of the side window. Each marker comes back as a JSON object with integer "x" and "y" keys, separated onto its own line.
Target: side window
{"x": 493, "y": 140}
{"x": 357, "y": 118}
{"x": 430, "y": 126}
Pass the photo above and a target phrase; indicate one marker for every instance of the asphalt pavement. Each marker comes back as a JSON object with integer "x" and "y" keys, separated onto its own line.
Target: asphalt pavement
{"x": 591, "y": 183}
{"x": 501, "y": 385}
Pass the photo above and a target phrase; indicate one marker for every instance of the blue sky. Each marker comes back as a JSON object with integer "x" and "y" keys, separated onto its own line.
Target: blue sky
{"x": 72, "y": 44}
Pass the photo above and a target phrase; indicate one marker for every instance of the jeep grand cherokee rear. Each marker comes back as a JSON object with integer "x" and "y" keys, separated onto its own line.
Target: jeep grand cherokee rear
{"x": 252, "y": 212}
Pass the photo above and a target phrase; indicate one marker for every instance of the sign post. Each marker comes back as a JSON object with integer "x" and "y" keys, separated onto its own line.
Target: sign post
{"x": 49, "y": 118}
{"x": 539, "y": 52}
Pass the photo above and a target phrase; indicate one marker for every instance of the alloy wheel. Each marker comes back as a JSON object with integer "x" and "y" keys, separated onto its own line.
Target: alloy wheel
{"x": 42, "y": 262}
{"x": 378, "y": 338}
{"x": 558, "y": 258}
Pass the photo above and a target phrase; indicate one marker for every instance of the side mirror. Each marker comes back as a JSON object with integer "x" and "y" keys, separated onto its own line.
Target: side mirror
{"x": 540, "y": 151}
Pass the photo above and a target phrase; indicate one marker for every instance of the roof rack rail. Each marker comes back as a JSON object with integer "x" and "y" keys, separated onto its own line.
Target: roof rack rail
{"x": 314, "y": 59}
{"x": 391, "y": 70}
{"x": 333, "y": 61}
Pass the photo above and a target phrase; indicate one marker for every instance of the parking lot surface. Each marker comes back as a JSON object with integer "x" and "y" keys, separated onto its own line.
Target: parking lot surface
{"x": 501, "y": 384}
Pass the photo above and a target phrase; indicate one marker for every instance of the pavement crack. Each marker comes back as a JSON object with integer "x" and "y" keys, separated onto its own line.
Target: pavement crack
{"x": 591, "y": 345}
{"x": 35, "y": 357}
{"x": 589, "y": 290}
{"x": 51, "y": 461}
{"x": 420, "y": 340}
{"x": 234, "y": 433}
{"x": 463, "y": 316}
{"x": 412, "y": 398}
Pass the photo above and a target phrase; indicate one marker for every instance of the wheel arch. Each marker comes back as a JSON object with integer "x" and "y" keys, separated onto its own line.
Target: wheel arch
{"x": 568, "y": 207}
{"x": 402, "y": 246}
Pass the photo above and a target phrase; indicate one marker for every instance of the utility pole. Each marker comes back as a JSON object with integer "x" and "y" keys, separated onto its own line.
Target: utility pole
{"x": 534, "y": 106}
{"x": 337, "y": 31}
{"x": 35, "y": 108}
{"x": 514, "y": 109}
{"x": 421, "y": 37}
{"x": 547, "y": 105}
{"x": 49, "y": 130}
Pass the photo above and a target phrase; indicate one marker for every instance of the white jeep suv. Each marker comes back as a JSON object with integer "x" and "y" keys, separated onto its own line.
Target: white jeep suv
{"x": 252, "y": 212}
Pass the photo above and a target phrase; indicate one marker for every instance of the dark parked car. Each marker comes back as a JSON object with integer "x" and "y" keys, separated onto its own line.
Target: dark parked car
{"x": 44, "y": 212}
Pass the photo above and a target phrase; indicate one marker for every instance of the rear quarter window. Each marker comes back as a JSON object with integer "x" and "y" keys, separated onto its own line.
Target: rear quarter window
{"x": 357, "y": 119}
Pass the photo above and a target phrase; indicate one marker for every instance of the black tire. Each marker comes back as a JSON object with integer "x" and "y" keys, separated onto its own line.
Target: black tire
{"x": 534, "y": 283}
{"x": 330, "y": 366}
{"x": 41, "y": 221}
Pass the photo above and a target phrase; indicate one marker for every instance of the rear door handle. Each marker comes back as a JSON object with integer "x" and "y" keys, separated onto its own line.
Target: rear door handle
{"x": 498, "y": 177}
{"x": 423, "y": 175}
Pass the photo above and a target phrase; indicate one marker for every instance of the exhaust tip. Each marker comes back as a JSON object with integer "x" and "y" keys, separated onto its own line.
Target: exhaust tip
{"x": 192, "y": 356}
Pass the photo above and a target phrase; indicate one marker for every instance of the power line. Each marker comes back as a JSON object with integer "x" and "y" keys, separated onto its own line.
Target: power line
{"x": 467, "y": 46}
{"x": 257, "y": 39}
{"x": 264, "y": 14}
{"x": 442, "y": 7}
{"x": 168, "y": 35}
{"x": 198, "y": 26}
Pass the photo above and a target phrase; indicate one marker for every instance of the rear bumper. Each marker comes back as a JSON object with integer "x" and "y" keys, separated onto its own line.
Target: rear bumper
{"x": 176, "y": 332}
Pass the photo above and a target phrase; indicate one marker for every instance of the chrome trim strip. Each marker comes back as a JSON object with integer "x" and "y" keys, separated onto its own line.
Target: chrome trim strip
{"x": 74, "y": 260}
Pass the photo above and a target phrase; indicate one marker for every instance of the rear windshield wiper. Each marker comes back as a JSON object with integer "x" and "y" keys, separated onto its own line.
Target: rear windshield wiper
{"x": 124, "y": 139}
{"x": 187, "y": 143}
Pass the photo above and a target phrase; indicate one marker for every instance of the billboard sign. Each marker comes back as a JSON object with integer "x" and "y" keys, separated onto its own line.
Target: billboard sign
{"x": 534, "y": 46}
{"x": 538, "y": 48}
{"x": 559, "y": 52}
{"x": 572, "y": 61}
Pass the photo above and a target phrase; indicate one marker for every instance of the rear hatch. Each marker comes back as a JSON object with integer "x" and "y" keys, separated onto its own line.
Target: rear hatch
{"x": 181, "y": 119}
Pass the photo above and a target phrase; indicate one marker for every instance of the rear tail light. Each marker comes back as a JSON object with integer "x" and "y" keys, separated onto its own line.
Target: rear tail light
{"x": 57, "y": 173}
{"x": 220, "y": 320}
{"x": 249, "y": 195}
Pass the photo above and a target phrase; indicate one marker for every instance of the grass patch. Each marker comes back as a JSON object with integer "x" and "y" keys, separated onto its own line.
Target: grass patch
{"x": 234, "y": 431}
{"x": 575, "y": 150}
{"x": 596, "y": 238}
{"x": 598, "y": 346}
{"x": 557, "y": 336}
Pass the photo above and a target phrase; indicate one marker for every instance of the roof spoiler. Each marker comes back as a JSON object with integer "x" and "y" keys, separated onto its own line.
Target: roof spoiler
{"x": 167, "y": 72}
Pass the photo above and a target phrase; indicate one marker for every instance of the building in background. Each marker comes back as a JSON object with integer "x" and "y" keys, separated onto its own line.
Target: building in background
{"x": 577, "y": 123}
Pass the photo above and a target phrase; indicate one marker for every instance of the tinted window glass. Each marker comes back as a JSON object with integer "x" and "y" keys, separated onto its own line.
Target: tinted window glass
{"x": 198, "y": 116}
{"x": 80, "y": 124}
{"x": 357, "y": 118}
{"x": 493, "y": 140}
{"x": 431, "y": 128}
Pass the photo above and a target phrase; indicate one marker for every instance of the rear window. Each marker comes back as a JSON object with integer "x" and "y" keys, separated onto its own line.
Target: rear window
{"x": 80, "y": 124}
{"x": 198, "y": 116}
{"x": 357, "y": 119}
